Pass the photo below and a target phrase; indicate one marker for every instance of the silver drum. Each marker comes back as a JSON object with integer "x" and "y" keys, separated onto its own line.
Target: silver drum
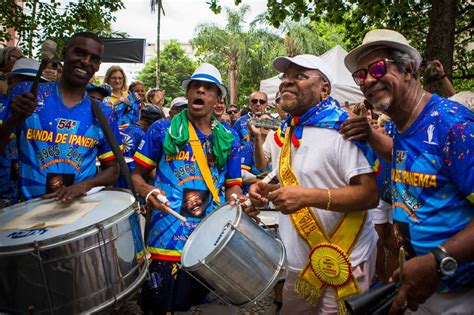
{"x": 83, "y": 267}
{"x": 234, "y": 256}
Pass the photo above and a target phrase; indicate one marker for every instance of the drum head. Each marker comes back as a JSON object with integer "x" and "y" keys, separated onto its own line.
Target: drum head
{"x": 93, "y": 209}
{"x": 210, "y": 235}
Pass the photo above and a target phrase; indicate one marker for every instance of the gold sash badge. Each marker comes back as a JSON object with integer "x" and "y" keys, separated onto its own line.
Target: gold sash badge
{"x": 328, "y": 263}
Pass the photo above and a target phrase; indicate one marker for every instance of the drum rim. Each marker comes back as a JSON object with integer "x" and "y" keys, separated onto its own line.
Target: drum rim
{"x": 221, "y": 245}
{"x": 70, "y": 236}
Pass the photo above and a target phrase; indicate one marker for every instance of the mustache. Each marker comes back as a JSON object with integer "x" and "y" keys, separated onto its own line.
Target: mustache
{"x": 374, "y": 88}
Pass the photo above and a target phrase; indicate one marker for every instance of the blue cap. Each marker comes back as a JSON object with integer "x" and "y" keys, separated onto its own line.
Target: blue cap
{"x": 104, "y": 89}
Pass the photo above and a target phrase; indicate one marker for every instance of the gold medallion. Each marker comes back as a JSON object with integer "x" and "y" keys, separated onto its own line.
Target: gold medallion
{"x": 330, "y": 264}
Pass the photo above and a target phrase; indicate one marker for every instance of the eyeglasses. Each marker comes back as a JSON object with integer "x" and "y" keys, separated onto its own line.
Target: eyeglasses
{"x": 231, "y": 112}
{"x": 255, "y": 101}
{"x": 300, "y": 76}
{"x": 376, "y": 69}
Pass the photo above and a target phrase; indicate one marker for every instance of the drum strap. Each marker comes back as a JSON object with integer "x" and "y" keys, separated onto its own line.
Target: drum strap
{"x": 202, "y": 162}
{"x": 328, "y": 263}
{"x": 112, "y": 141}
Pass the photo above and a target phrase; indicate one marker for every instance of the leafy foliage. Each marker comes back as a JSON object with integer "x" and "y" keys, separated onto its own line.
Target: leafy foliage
{"x": 175, "y": 67}
{"x": 413, "y": 18}
{"x": 40, "y": 20}
{"x": 252, "y": 52}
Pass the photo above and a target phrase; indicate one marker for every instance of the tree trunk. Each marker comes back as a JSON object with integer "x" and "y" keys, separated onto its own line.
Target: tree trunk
{"x": 158, "y": 31}
{"x": 233, "y": 72}
{"x": 440, "y": 39}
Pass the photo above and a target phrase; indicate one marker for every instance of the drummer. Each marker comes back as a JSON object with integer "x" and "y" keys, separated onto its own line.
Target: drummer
{"x": 192, "y": 178}
{"x": 326, "y": 184}
{"x": 56, "y": 131}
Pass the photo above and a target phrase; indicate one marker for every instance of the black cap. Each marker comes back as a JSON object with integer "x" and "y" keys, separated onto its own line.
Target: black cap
{"x": 150, "y": 113}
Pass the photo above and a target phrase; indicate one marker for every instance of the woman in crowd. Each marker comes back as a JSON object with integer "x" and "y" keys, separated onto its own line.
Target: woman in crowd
{"x": 116, "y": 78}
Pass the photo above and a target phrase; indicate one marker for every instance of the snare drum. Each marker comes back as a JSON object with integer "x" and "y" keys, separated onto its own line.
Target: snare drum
{"x": 234, "y": 255}
{"x": 80, "y": 267}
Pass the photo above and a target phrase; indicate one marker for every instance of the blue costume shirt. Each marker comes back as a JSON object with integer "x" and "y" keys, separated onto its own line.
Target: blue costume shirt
{"x": 179, "y": 176}
{"x": 59, "y": 145}
{"x": 8, "y": 184}
{"x": 242, "y": 129}
{"x": 433, "y": 180}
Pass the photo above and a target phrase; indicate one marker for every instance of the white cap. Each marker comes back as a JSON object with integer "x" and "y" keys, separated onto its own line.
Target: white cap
{"x": 207, "y": 73}
{"x": 306, "y": 61}
{"x": 179, "y": 101}
{"x": 380, "y": 39}
{"x": 25, "y": 66}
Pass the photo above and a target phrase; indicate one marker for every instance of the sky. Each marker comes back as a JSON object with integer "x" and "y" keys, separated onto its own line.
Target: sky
{"x": 180, "y": 20}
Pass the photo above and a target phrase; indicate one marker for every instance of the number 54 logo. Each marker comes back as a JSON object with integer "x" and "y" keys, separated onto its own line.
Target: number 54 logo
{"x": 66, "y": 124}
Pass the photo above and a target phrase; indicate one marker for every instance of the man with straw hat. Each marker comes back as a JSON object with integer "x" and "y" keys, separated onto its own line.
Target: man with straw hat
{"x": 432, "y": 177}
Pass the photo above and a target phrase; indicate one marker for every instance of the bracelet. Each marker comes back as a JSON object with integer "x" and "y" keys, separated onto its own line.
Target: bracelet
{"x": 329, "y": 199}
{"x": 149, "y": 194}
{"x": 443, "y": 76}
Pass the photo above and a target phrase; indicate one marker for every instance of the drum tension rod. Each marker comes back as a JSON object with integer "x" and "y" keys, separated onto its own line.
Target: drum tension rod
{"x": 37, "y": 248}
{"x": 105, "y": 265}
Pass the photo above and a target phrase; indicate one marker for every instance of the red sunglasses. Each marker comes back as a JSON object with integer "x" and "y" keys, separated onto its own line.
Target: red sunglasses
{"x": 376, "y": 69}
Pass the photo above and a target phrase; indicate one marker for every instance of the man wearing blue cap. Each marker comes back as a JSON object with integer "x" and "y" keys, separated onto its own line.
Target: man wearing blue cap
{"x": 98, "y": 92}
{"x": 193, "y": 154}
{"x": 326, "y": 184}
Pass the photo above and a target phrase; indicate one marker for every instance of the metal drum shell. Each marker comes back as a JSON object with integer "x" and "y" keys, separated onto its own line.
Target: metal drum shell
{"x": 78, "y": 278}
{"x": 244, "y": 266}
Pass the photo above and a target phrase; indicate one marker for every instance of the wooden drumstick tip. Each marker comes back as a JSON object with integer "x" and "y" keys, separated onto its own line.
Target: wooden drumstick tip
{"x": 174, "y": 213}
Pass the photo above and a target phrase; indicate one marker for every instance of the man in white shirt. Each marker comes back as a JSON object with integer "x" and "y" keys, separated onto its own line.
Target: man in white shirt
{"x": 326, "y": 184}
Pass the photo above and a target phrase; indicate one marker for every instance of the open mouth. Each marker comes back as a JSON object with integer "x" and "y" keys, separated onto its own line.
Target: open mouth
{"x": 198, "y": 101}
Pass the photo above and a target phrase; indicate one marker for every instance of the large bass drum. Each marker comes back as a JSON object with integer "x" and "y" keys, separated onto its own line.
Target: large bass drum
{"x": 79, "y": 258}
{"x": 234, "y": 256}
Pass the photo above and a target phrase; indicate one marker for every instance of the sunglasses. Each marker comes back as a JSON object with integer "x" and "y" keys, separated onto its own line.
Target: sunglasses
{"x": 231, "y": 112}
{"x": 255, "y": 101}
{"x": 376, "y": 69}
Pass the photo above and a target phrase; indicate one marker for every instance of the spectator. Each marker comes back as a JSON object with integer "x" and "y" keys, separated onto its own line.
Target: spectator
{"x": 258, "y": 102}
{"x": 116, "y": 78}
{"x": 233, "y": 111}
{"x": 177, "y": 105}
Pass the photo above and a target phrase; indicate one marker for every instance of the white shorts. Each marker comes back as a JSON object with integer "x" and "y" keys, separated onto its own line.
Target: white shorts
{"x": 383, "y": 213}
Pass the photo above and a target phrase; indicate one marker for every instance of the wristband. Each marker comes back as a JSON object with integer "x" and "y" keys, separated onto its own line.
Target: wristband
{"x": 149, "y": 194}
{"x": 329, "y": 199}
{"x": 443, "y": 76}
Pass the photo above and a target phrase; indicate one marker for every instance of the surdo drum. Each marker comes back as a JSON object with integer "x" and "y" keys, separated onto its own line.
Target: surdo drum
{"x": 82, "y": 266}
{"x": 236, "y": 259}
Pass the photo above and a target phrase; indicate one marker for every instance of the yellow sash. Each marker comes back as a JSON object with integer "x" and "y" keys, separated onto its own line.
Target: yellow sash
{"x": 328, "y": 263}
{"x": 202, "y": 162}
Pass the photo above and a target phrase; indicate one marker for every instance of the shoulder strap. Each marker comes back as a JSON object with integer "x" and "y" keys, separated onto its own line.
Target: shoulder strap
{"x": 112, "y": 141}
{"x": 202, "y": 162}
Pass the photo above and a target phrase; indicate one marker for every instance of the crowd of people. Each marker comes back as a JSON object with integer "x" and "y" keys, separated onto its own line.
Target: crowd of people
{"x": 354, "y": 183}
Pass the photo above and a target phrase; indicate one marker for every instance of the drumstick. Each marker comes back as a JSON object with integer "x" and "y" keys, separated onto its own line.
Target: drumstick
{"x": 270, "y": 176}
{"x": 162, "y": 199}
{"x": 401, "y": 261}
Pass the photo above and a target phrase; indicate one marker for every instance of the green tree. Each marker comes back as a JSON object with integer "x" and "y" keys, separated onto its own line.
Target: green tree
{"x": 40, "y": 20}
{"x": 245, "y": 55}
{"x": 175, "y": 67}
{"x": 439, "y": 29}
